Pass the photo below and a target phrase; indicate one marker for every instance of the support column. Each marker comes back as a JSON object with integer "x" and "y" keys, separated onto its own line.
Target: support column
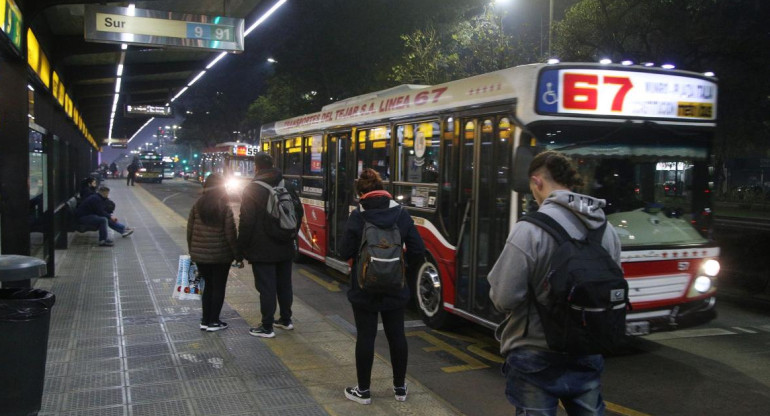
{"x": 14, "y": 157}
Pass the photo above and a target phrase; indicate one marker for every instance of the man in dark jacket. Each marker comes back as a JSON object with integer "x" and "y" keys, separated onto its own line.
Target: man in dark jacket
{"x": 132, "y": 168}
{"x": 271, "y": 260}
{"x": 93, "y": 211}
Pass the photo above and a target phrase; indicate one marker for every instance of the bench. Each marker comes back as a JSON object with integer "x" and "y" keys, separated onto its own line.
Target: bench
{"x": 74, "y": 225}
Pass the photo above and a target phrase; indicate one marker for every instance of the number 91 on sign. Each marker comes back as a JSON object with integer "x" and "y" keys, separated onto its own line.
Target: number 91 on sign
{"x": 205, "y": 31}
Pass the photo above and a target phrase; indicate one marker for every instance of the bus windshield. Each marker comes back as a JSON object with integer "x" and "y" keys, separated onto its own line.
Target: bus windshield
{"x": 655, "y": 180}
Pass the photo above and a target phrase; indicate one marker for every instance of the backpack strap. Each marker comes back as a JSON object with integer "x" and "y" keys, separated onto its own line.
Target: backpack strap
{"x": 263, "y": 184}
{"x": 549, "y": 225}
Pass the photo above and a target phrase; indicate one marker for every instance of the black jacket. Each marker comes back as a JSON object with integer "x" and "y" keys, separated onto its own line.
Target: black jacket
{"x": 254, "y": 243}
{"x": 95, "y": 204}
{"x": 381, "y": 211}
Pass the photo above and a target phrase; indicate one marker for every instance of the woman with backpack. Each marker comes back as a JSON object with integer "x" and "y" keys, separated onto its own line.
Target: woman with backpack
{"x": 377, "y": 207}
{"x": 212, "y": 244}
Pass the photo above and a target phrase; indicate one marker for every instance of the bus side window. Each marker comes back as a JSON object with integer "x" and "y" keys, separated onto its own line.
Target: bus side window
{"x": 374, "y": 151}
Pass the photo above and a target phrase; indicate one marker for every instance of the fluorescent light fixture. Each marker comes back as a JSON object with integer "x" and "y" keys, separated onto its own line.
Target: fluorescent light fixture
{"x": 649, "y": 64}
{"x": 627, "y": 62}
{"x": 124, "y": 46}
{"x": 709, "y": 74}
{"x": 179, "y": 94}
{"x": 264, "y": 17}
{"x": 217, "y": 59}
{"x": 272, "y": 61}
{"x": 30, "y": 87}
{"x": 605, "y": 61}
{"x": 120, "y": 70}
{"x": 553, "y": 61}
{"x": 197, "y": 77}
{"x": 117, "y": 85}
{"x": 668, "y": 66}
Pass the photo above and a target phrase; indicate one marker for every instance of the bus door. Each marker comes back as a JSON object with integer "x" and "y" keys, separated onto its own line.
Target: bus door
{"x": 340, "y": 187}
{"x": 484, "y": 198}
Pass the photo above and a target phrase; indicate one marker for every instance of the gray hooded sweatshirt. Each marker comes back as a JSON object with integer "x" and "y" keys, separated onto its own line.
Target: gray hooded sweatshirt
{"x": 525, "y": 261}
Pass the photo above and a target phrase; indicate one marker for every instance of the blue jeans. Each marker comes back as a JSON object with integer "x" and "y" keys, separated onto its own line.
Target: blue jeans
{"x": 536, "y": 380}
{"x": 102, "y": 223}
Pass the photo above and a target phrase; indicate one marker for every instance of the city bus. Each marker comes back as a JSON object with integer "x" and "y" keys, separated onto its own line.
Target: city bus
{"x": 233, "y": 160}
{"x": 150, "y": 167}
{"x": 456, "y": 156}
{"x": 169, "y": 168}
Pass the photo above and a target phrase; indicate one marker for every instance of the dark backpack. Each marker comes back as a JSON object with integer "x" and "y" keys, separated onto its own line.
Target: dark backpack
{"x": 381, "y": 266}
{"x": 586, "y": 297}
{"x": 284, "y": 210}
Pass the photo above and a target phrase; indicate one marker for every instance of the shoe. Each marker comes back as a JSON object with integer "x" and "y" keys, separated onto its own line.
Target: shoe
{"x": 400, "y": 393}
{"x": 106, "y": 243}
{"x": 216, "y": 326}
{"x": 287, "y": 325}
{"x": 359, "y": 396}
{"x": 261, "y": 332}
{"x": 127, "y": 232}
{"x": 204, "y": 326}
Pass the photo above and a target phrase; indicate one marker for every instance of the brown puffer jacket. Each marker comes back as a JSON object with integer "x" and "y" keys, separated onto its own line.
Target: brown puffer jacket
{"x": 212, "y": 245}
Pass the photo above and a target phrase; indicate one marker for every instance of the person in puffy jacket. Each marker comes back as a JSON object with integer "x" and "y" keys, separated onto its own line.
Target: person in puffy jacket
{"x": 378, "y": 207}
{"x": 212, "y": 244}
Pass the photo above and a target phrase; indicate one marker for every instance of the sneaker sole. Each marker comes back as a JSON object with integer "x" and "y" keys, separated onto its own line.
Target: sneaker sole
{"x": 272, "y": 335}
{"x": 357, "y": 399}
{"x": 401, "y": 398}
{"x": 288, "y": 328}
{"x": 204, "y": 327}
{"x": 127, "y": 234}
{"x": 215, "y": 329}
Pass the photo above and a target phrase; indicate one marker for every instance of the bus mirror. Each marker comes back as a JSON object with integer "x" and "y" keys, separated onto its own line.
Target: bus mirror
{"x": 524, "y": 156}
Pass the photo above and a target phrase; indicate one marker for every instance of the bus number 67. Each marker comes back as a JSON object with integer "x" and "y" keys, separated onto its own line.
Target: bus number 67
{"x": 581, "y": 91}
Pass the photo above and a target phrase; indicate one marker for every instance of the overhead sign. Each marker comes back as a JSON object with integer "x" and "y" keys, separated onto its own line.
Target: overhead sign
{"x": 149, "y": 110}
{"x": 11, "y": 22}
{"x": 152, "y": 27}
{"x": 600, "y": 92}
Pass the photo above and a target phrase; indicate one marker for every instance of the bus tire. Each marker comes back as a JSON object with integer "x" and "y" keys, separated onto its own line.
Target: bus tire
{"x": 428, "y": 296}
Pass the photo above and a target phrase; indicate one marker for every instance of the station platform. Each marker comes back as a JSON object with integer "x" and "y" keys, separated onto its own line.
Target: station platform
{"x": 120, "y": 345}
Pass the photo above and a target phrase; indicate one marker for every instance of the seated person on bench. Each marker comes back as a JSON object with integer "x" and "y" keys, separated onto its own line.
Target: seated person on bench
{"x": 93, "y": 211}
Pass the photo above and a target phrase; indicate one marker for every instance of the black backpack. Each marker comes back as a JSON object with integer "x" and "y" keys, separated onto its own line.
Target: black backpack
{"x": 381, "y": 266}
{"x": 586, "y": 297}
{"x": 284, "y": 211}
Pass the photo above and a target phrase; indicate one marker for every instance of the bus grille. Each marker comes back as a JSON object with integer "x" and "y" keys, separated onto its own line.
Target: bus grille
{"x": 647, "y": 289}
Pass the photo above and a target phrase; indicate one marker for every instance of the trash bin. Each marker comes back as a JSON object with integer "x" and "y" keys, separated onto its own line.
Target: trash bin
{"x": 25, "y": 315}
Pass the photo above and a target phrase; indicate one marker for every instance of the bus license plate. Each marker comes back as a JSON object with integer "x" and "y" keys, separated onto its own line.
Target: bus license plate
{"x": 638, "y": 328}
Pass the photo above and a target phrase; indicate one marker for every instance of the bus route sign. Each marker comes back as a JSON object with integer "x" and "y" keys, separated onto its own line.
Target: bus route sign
{"x": 152, "y": 27}
{"x": 607, "y": 92}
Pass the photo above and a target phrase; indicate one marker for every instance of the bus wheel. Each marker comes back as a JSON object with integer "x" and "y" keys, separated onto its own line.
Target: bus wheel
{"x": 428, "y": 296}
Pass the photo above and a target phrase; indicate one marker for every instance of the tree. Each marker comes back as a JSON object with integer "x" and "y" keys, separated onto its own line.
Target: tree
{"x": 475, "y": 46}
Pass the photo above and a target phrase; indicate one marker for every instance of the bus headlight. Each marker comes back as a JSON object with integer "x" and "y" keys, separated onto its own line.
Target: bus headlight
{"x": 710, "y": 267}
{"x": 702, "y": 284}
{"x": 232, "y": 185}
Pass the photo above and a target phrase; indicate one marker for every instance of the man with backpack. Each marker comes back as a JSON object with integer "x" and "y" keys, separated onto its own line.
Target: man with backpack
{"x": 547, "y": 341}
{"x": 267, "y": 245}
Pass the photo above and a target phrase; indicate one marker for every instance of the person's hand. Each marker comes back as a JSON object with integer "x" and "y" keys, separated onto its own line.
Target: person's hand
{"x": 113, "y": 218}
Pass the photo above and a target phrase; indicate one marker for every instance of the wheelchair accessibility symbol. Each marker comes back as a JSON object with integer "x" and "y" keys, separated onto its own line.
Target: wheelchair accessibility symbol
{"x": 549, "y": 96}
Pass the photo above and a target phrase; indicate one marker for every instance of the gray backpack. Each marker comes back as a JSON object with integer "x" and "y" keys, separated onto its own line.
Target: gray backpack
{"x": 283, "y": 209}
{"x": 381, "y": 266}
